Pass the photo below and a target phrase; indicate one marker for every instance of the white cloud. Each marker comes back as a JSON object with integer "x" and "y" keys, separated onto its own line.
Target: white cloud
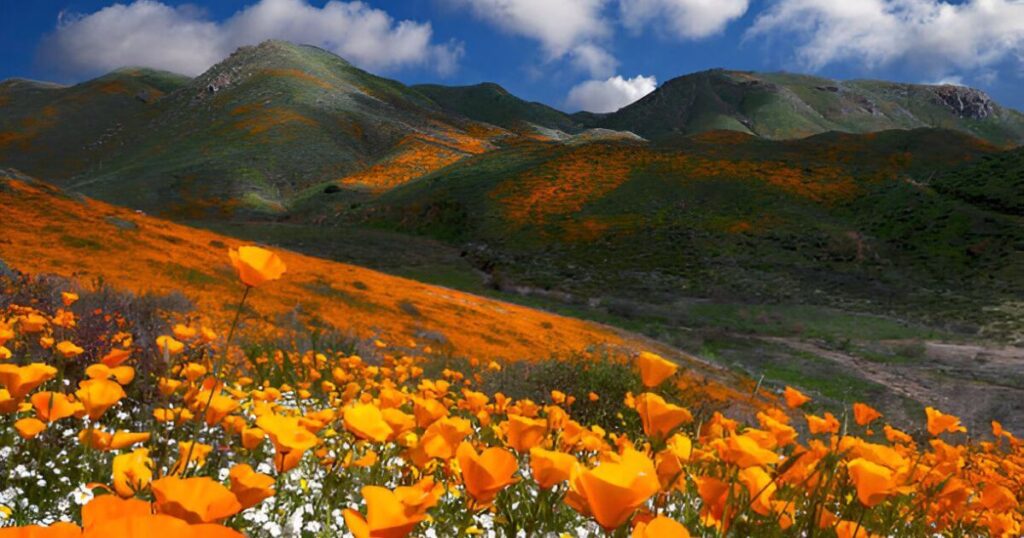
{"x": 570, "y": 29}
{"x": 611, "y": 94}
{"x": 933, "y": 36}
{"x": 686, "y": 19}
{"x": 594, "y": 60}
{"x": 150, "y": 33}
{"x": 559, "y": 25}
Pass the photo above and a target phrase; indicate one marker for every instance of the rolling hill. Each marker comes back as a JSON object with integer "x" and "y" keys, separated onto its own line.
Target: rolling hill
{"x": 783, "y": 106}
{"x": 48, "y": 230}
{"x": 253, "y": 132}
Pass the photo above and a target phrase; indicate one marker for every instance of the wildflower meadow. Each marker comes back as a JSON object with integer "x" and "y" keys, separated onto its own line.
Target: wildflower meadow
{"x": 209, "y": 431}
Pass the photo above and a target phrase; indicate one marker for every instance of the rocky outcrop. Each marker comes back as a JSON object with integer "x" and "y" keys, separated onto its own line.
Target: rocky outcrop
{"x": 965, "y": 102}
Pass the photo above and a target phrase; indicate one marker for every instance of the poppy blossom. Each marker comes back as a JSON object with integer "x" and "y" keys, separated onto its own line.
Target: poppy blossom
{"x": 194, "y": 500}
{"x": 549, "y": 467}
{"x": 659, "y": 417}
{"x": 98, "y": 395}
{"x": 132, "y": 472}
{"x": 29, "y": 428}
{"x": 486, "y": 473}
{"x": 794, "y": 398}
{"x": 873, "y": 482}
{"x": 256, "y": 265}
{"x": 939, "y": 422}
{"x": 654, "y": 369}
{"x": 660, "y": 527}
{"x": 612, "y": 491}
{"x": 523, "y": 433}
{"x": 21, "y": 380}
{"x": 249, "y": 486}
{"x": 367, "y": 422}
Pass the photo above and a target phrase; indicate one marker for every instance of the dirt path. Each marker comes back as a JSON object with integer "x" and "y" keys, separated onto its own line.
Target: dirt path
{"x": 975, "y": 382}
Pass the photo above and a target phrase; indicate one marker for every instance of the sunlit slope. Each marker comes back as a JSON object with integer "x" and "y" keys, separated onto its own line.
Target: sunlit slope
{"x": 259, "y": 129}
{"x": 784, "y": 106}
{"x": 45, "y": 230}
{"x": 61, "y": 131}
{"x": 834, "y": 218}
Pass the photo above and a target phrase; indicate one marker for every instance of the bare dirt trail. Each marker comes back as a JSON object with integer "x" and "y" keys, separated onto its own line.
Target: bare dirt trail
{"x": 973, "y": 381}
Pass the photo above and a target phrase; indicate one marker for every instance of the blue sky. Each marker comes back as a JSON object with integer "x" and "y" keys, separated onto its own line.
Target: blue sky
{"x": 593, "y": 54}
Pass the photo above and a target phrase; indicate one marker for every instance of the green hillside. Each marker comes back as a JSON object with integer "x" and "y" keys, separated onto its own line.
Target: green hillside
{"x": 834, "y": 219}
{"x": 492, "y": 104}
{"x": 782, "y": 106}
{"x": 254, "y": 131}
{"x": 995, "y": 181}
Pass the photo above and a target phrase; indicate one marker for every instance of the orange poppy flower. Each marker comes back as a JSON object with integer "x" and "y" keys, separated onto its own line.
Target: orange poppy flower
{"x": 132, "y": 472}
{"x": 194, "y": 500}
{"x": 998, "y": 498}
{"x": 98, "y": 395}
{"x": 659, "y": 417}
{"x": 939, "y": 423}
{"x": 21, "y": 380}
{"x": 367, "y": 422}
{"x": 442, "y": 438}
{"x": 818, "y": 425}
{"x": 53, "y": 406}
{"x": 252, "y": 437}
{"x": 157, "y": 526}
{"x": 249, "y": 486}
{"x": 62, "y": 529}
{"x": 195, "y": 453}
{"x": 256, "y": 265}
{"x": 169, "y": 345}
{"x": 864, "y": 414}
{"x": 122, "y": 374}
{"x": 107, "y": 507}
{"x": 290, "y": 439}
{"x": 654, "y": 369}
{"x": 485, "y": 474}
{"x": 69, "y": 350}
{"x": 523, "y": 433}
{"x": 660, "y": 527}
{"x": 613, "y": 491}
{"x": 115, "y": 358}
{"x": 124, "y": 439}
{"x": 388, "y": 514}
{"x": 549, "y": 467}
{"x": 744, "y": 451}
{"x": 29, "y": 428}
{"x": 794, "y": 398}
{"x": 220, "y": 407}
{"x": 874, "y": 482}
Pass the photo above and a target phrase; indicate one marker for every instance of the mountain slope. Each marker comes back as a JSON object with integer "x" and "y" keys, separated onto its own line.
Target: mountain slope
{"x": 260, "y": 128}
{"x": 836, "y": 219}
{"x": 995, "y": 181}
{"x": 60, "y": 131}
{"x": 782, "y": 106}
{"x": 490, "y": 103}
{"x": 46, "y": 230}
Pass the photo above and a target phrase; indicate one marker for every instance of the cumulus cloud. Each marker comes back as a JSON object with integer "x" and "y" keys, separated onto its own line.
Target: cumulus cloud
{"x": 559, "y": 25}
{"x": 182, "y": 39}
{"x": 934, "y": 35}
{"x": 685, "y": 19}
{"x": 570, "y": 29}
{"x": 594, "y": 60}
{"x": 609, "y": 95}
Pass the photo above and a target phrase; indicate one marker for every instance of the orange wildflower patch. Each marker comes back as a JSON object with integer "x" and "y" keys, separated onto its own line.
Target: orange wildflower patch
{"x": 301, "y": 75}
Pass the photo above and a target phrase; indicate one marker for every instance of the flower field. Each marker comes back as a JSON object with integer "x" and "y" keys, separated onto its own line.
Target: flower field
{"x": 210, "y": 432}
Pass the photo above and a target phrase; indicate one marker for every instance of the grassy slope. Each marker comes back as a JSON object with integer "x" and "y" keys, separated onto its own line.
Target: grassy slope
{"x": 61, "y": 131}
{"x": 995, "y": 182}
{"x": 267, "y": 125}
{"x": 831, "y": 220}
{"x": 781, "y": 105}
{"x": 493, "y": 104}
{"x": 48, "y": 231}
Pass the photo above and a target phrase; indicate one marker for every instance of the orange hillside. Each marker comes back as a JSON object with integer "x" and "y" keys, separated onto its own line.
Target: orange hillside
{"x": 45, "y": 230}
